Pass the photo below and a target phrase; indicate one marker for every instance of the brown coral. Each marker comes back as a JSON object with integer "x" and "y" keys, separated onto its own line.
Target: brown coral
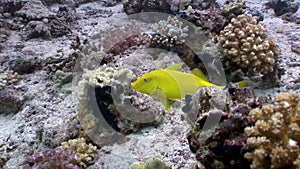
{"x": 8, "y": 77}
{"x": 84, "y": 152}
{"x": 246, "y": 45}
{"x": 275, "y": 137}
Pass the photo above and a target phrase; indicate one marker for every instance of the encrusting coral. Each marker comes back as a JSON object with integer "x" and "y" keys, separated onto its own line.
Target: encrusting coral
{"x": 8, "y": 77}
{"x": 283, "y": 6}
{"x": 233, "y": 8}
{"x": 107, "y": 106}
{"x": 84, "y": 152}
{"x": 53, "y": 158}
{"x": 73, "y": 154}
{"x": 275, "y": 136}
{"x": 247, "y": 46}
{"x": 151, "y": 163}
{"x": 206, "y": 15}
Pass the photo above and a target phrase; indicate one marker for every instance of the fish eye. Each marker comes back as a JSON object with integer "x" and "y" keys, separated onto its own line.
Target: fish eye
{"x": 145, "y": 80}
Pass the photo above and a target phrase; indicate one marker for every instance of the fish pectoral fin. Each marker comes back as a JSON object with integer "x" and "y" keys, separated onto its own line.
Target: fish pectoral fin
{"x": 161, "y": 96}
{"x": 200, "y": 74}
{"x": 242, "y": 83}
{"x": 176, "y": 66}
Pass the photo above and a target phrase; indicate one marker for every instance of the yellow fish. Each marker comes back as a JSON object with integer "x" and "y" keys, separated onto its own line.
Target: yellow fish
{"x": 171, "y": 84}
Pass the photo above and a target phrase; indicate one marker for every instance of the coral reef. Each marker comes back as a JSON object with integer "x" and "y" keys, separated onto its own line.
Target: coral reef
{"x": 275, "y": 136}
{"x": 151, "y": 163}
{"x": 136, "y": 6}
{"x": 233, "y": 8}
{"x": 170, "y": 31}
{"x": 110, "y": 3}
{"x": 36, "y": 20}
{"x": 4, "y": 32}
{"x": 111, "y": 90}
{"x": 53, "y": 158}
{"x": 46, "y": 29}
{"x": 58, "y": 62}
{"x": 255, "y": 13}
{"x": 84, "y": 152}
{"x": 218, "y": 137}
{"x": 37, "y": 29}
{"x": 281, "y": 7}
{"x": 11, "y": 6}
{"x": 10, "y": 99}
{"x": 51, "y": 2}
{"x": 171, "y": 34}
{"x": 207, "y": 16}
{"x": 26, "y": 65}
{"x": 119, "y": 39}
{"x": 246, "y": 45}
{"x": 291, "y": 18}
{"x": 34, "y": 10}
{"x": 62, "y": 81}
{"x": 53, "y": 136}
{"x": 10, "y": 103}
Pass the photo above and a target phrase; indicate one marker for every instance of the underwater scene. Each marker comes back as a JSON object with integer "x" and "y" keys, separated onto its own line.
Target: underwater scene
{"x": 149, "y": 84}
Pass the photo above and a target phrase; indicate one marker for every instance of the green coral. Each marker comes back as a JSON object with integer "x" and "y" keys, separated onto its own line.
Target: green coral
{"x": 247, "y": 46}
{"x": 62, "y": 81}
{"x": 84, "y": 152}
{"x": 275, "y": 136}
{"x": 152, "y": 163}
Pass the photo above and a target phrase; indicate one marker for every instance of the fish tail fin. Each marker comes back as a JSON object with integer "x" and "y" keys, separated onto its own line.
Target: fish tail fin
{"x": 242, "y": 83}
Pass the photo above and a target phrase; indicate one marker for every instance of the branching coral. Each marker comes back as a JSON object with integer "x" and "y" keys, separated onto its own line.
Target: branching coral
{"x": 246, "y": 45}
{"x": 170, "y": 28}
{"x": 275, "y": 136}
{"x": 84, "y": 152}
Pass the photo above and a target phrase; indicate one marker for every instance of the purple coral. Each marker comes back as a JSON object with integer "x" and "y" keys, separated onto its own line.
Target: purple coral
{"x": 53, "y": 158}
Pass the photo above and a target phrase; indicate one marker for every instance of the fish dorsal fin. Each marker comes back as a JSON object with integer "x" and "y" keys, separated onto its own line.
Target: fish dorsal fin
{"x": 200, "y": 74}
{"x": 176, "y": 66}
